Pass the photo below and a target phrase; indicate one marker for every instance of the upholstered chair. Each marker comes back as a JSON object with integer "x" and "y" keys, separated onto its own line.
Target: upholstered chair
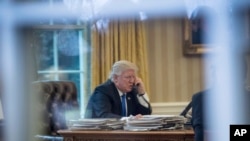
{"x": 57, "y": 104}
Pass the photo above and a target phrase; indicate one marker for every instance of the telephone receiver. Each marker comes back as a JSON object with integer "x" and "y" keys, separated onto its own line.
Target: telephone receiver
{"x": 135, "y": 88}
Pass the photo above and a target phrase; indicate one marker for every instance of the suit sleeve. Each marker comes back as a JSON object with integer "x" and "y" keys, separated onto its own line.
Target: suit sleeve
{"x": 197, "y": 116}
{"x": 144, "y": 109}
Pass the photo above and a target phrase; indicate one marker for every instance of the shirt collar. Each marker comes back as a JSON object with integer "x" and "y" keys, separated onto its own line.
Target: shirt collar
{"x": 120, "y": 93}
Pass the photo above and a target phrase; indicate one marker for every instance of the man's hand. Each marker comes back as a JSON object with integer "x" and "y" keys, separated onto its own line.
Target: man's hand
{"x": 140, "y": 85}
{"x": 138, "y": 116}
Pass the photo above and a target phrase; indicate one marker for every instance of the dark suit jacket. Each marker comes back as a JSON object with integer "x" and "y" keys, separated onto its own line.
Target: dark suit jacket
{"x": 197, "y": 115}
{"x": 105, "y": 102}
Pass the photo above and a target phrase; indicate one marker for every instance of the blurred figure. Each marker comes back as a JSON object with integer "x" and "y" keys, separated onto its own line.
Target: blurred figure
{"x": 200, "y": 102}
{"x": 197, "y": 120}
{"x": 106, "y": 101}
{"x": 199, "y": 99}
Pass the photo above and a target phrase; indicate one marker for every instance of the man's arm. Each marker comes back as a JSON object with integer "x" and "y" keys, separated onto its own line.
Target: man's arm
{"x": 197, "y": 116}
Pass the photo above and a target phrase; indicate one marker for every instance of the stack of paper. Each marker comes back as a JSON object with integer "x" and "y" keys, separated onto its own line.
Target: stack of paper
{"x": 154, "y": 122}
{"x": 95, "y": 124}
{"x": 144, "y": 123}
{"x": 171, "y": 121}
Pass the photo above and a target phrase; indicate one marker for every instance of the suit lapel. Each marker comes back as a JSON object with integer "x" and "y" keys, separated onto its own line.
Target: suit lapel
{"x": 116, "y": 99}
{"x": 129, "y": 103}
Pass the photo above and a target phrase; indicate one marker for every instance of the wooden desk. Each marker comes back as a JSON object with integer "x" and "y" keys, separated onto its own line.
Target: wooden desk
{"x": 120, "y": 135}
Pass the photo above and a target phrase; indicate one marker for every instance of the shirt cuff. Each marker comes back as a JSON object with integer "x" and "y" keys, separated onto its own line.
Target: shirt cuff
{"x": 143, "y": 100}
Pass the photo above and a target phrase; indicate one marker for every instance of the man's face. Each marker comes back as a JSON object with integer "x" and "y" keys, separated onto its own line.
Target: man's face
{"x": 125, "y": 81}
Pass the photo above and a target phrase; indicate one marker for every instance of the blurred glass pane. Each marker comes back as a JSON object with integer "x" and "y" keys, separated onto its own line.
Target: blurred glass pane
{"x": 47, "y": 1}
{"x": 65, "y": 21}
{"x": 44, "y": 49}
{"x": 68, "y": 49}
{"x": 46, "y": 76}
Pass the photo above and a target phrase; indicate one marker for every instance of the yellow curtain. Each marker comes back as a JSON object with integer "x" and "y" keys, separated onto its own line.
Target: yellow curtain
{"x": 118, "y": 40}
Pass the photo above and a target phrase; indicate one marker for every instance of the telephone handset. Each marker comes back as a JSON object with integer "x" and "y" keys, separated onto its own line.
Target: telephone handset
{"x": 135, "y": 89}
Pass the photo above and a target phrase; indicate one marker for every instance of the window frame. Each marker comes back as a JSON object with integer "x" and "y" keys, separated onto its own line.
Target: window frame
{"x": 84, "y": 60}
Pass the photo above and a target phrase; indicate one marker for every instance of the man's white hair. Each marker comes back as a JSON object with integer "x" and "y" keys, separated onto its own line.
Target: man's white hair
{"x": 120, "y": 66}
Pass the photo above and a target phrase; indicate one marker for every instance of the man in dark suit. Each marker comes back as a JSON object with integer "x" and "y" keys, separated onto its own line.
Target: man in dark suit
{"x": 204, "y": 101}
{"x": 106, "y": 100}
{"x": 197, "y": 120}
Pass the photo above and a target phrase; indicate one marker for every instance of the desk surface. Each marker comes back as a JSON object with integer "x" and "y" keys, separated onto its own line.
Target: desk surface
{"x": 65, "y": 132}
{"x": 121, "y": 135}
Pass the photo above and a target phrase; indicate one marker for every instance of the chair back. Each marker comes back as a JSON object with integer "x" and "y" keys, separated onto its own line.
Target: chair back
{"x": 58, "y": 104}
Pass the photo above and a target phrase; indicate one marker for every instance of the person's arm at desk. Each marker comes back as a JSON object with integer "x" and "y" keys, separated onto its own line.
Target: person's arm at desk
{"x": 197, "y": 116}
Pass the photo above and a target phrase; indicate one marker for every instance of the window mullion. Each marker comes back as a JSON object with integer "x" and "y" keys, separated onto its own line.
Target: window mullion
{"x": 55, "y": 55}
{"x": 81, "y": 66}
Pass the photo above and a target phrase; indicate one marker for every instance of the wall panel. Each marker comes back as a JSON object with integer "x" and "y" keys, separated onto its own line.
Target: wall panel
{"x": 173, "y": 77}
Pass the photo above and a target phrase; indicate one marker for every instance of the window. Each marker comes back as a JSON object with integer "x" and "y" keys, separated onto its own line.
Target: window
{"x": 63, "y": 54}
